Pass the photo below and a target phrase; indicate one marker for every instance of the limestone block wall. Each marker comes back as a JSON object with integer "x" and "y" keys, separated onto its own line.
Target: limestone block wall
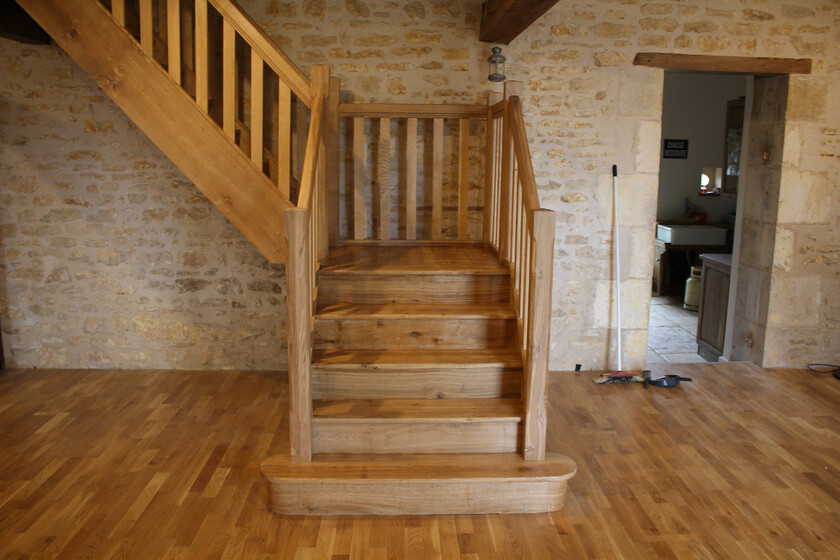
{"x": 587, "y": 108}
{"x": 109, "y": 256}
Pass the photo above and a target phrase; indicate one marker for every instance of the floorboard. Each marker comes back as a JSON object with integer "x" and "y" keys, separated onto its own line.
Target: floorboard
{"x": 740, "y": 463}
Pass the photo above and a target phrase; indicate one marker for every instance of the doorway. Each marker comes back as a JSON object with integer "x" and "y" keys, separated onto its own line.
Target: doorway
{"x": 702, "y": 117}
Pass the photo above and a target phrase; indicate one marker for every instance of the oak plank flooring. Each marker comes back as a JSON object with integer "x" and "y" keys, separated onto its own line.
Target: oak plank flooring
{"x": 741, "y": 463}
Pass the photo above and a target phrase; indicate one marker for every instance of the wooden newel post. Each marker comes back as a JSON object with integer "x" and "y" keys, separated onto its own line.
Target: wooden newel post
{"x": 537, "y": 353}
{"x": 299, "y": 325}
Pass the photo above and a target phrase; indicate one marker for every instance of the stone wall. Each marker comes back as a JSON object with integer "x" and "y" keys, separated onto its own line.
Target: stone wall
{"x": 109, "y": 256}
{"x": 587, "y": 108}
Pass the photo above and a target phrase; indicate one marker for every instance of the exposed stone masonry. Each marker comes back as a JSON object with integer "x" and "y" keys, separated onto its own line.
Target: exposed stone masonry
{"x": 587, "y": 108}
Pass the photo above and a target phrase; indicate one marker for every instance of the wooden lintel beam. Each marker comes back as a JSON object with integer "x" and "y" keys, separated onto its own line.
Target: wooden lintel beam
{"x": 503, "y": 20}
{"x": 739, "y": 64}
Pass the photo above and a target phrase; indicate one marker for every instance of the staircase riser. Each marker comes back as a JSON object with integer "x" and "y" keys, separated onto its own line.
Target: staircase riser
{"x": 414, "y": 333}
{"x": 431, "y": 289}
{"x": 426, "y": 437}
{"x": 454, "y": 384}
{"x": 442, "y": 497}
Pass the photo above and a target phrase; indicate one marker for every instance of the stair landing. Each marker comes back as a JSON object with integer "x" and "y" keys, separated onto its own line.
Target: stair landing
{"x": 416, "y": 484}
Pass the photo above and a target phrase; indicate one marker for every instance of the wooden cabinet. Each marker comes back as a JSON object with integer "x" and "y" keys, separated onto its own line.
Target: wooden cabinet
{"x": 714, "y": 300}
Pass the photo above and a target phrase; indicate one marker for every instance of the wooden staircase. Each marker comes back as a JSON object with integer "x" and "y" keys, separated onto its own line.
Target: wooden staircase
{"x": 417, "y": 391}
{"x": 418, "y": 316}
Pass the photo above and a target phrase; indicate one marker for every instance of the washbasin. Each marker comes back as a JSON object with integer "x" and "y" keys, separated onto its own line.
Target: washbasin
{"x": 691, "y": 234}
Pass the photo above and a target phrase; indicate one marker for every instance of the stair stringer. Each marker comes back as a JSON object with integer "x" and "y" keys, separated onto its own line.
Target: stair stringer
{"x": 169, "y": 117}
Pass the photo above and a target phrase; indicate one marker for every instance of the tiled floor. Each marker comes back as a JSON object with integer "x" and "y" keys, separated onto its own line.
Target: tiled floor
{"x": 672, "y": 332}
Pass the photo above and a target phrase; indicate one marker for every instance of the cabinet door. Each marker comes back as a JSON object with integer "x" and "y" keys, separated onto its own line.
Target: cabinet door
{"x": 714, "y": 301}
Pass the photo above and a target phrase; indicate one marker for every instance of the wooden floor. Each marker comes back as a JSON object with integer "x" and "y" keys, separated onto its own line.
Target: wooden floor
{"x": 741, "y": 463}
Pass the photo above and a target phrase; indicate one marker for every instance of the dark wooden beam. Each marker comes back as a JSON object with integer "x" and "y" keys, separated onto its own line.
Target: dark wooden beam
{"x": 503, "y": 20}
{"x": 15, "y": 24}
{"x": 739, "y": 64}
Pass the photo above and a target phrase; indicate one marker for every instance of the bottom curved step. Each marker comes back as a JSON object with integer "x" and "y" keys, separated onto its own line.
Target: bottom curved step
{"x": 400, "y": 484}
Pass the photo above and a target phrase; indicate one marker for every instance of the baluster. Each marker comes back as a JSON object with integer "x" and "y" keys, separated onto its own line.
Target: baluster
{"x": 358, "y": 177}
{"x": 201, "y": 84}
{"x": 384, "y": 175}
{"x": 284, "y": 137}
{"x": 173, "y": 39}
{"x": 147, "y": 34}
{"x": 229, "y": 80}
{"x": 437, "y": 179}
{"x": 333, "y": 128}
{"x": 118, "y": 11}
{"x": 463, "y": 178}
{"x": 411, "y": 180}
{"x": 489, "y": 167}
{"x": 257, "y": 109}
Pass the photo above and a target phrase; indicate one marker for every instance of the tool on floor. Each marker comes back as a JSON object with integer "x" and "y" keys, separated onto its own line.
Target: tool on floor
{"x": 663, "y": 380}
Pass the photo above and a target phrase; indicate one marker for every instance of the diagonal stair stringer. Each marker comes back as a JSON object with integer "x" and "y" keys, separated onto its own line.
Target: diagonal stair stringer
{"x": 169, "y": 117}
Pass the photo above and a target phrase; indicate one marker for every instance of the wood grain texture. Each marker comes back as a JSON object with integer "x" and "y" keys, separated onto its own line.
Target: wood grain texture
{"x": 284, "y": 138}
{"x": 333, "y": 155}
{"x": 415, "y": 437}
{"x": 463, "y": 177}
{"x": 299, "y": 313}
{"x": 282, "y": 65}
{"x": 538, "y": 336}
{"x": 147, "y": 36}
{"x": 437, "y": 179}
{"x": 708, "y": 63}
{"x": 444, "y": 374}
{"x": 173, "y": 39}
{"x": 405, "y": 110}
{"x": 383, "y": 174}
{"x": 503, "y": 20}
{"x": 417, "y": 484}
{"x": 740, "y": 464}
{"x": 118, "y": 11}
{"x": 425, "y": 259}
{"x": 377, "y": 333}
{"x": 377, "y": 288}
{"x": 177, "y": 126}
{"x": 359, "y": 165}
{"x": 257, "y": 109}
{"x": 202, "y": 53}
{"x": 229, "y": 80}
{"x": 411, "y": 179}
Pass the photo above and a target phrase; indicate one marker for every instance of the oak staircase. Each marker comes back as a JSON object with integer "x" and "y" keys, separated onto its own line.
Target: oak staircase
{"x": 418, "y": 259}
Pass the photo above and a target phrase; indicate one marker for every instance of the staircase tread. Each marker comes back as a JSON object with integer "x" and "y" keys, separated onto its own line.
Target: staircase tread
{"x": 402, "y": 359}
{"x": 445, "y": 259}
{"x": 415, "y": 468}
{"x": 415, "y": 311}
{"x": 416, "y": 410}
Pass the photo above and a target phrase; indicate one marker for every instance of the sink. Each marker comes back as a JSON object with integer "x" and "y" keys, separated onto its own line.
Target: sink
{"x": 691, "y": 234}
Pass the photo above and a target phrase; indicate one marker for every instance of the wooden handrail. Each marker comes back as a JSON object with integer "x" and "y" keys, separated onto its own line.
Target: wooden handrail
{"x": 406, "y": 110}
{"x": 310, "y": 161}
{"x": 291, "y": 75}
{"x": 523, "y": 160}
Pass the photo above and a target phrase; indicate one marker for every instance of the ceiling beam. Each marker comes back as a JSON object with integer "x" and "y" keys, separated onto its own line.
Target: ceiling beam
{"x": 740, "y": 64}
{"x": 503, "y": 20}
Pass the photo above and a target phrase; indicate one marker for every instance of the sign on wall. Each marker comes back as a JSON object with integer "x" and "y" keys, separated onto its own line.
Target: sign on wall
{"x": 675, "y": 149}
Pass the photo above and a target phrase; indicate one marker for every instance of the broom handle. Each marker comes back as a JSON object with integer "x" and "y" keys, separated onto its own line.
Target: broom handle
{"x": 617, "y": 261}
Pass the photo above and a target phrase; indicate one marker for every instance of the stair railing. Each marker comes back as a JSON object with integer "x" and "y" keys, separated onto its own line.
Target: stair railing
{"x": 234, "y": 74}
{"x": 308, "y": 241}
{"x": 523, "y": 235}
{"x": 400, "y": 178}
